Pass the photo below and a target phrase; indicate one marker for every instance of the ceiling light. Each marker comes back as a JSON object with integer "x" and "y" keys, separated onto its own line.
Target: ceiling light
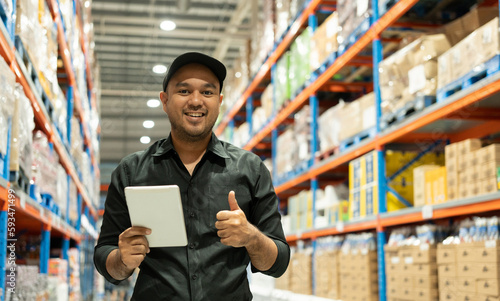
{"x": 168, "y": 25}
{"x": 237, "y": 74}
{"x": 153, "y": 103}
{"x": 145, "y": 139}
{"x": 148, "y": 124}
{"x": 159, "y": 69}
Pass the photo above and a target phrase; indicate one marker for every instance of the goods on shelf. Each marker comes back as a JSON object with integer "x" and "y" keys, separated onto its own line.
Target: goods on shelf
{"x": 363, "y": 181}
{"x": 241, "y": 135}
{"x": 282, "y": 86}
{"x": 7, "y": 86}
{"x": 293, "y": 147}
{"x": 29, "y": 284}
{"x": 324, "y": 41}
{"x": 21, "y": 138}
{"x": 346, "y": 120}
{"x": 460, "y": 28}
{"x": 74, "y": 274}
{"x": 73, "y": 203}
{"x": 411, "y": 72}
{"x": 354, "y": 19}
{"x": 468, "y": 263}
{"x": 411, "y": 267}
{"x": 259, "y": 119}
{"x": 470, "y": 55}
{"x": 263, "y": 36}
{"x": 331, "y": 206}
{"x": 266, "y": 99}
{"x": 471, "y": 170}
{"x": 61, "y": 114}
{"x": 300, "y": 271}
{"x": 299, "y": 70}
{"x": 76, "y": 143}
{"x": 300, "y": 212}
{"x": 420, "y": 197}
{"x": 358, "y": 268}
{"x": 327, "y": 268}
{"x": 283, "y": 17}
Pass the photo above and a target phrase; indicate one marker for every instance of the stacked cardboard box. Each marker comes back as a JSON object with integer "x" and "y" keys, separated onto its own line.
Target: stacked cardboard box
{"x": 435, "y": 186}
{"x": 324, "y": 41}
{"x": 470, "y": 53}
{"x": 357, "y": 116}
{"x": 300, "y": 211}
{"x": 327, "y": 269}
{"x": 301, "y": 272}
{"x": 358, "y": 275}
{"x": 411, "y": 72}
{"x": 461, "y": 164}
{"x": 411, "y": 272}
{"x": 488, "y": 162}
{"x": 457, "y": 30}
{"x": 363, "y": 186}
{"x": 419, "y": 185}
{"x": 470, "y": 271}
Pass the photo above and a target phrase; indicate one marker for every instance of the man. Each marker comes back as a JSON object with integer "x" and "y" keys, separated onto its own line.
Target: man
{"x": 230, "y": 207}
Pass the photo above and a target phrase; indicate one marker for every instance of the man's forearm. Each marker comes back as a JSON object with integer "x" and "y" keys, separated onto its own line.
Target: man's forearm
{"x": 262, "y": 251}
{"x": 115, "y": 266}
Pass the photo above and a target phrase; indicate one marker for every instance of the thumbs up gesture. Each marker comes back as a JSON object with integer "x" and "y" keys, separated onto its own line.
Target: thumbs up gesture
{"x": 232, "y": 225}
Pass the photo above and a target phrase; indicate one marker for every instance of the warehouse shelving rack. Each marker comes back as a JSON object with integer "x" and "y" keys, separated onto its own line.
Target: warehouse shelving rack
{"x": 470, "y": 113}
{"x": 29, "y": 214}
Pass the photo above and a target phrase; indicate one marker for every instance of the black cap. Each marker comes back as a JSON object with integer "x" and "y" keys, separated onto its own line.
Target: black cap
{"x": 213, "y": 64}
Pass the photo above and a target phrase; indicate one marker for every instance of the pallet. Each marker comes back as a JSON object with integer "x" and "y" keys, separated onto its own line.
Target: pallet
{"x": 410, "y": 108}
{"x": 327, "y": 154}
{"x": 355, "y": 36}
{"x": 33, "y": 74}
{"x": 357, "y": 139}
{"x": 298, "y": 170}
{"x": 20, "y": 180}
{"x": 48, "y": 202}
{"x": 487, "y": 69}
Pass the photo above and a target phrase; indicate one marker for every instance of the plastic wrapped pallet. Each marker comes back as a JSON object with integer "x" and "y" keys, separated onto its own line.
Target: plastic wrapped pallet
{"x": 73, "y": 202}
{"x": 329, "y": 128}
{"x": 282, "y": 88}
{"x": 61, "y": 198}
{"x": 469, "y": 54}
{"x": 299, "y": 70}
{"x": 263, "y": 35}
{"x": 357, "y": 116}
{"x": 7, "y": 86}
{"x": 267, "y": 100}
{"x": 411, "y": 71}
{"x": 285, "y": 152}
{"x": 76, "y": 143}
{"x": 259, "y": 119}
{"x": 47, "y": 52}
{"x": 324, "y": 41}
{"x": 21, "y": 141}
{"x": 27, "y": 26}
{"x": 460, "y": 28}
{"x": 61, "y": 113}
{"x": 44, "y": 166}
{"x": 352, "y": 15}
{"x": 282, "y": 17}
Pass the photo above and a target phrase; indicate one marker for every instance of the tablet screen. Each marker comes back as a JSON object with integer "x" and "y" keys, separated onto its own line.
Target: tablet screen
{"x": 160, "y": 209}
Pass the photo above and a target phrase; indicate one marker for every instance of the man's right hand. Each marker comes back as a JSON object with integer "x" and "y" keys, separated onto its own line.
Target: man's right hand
{"x": 133, "y": 246}
{"x": 132, "y": 249}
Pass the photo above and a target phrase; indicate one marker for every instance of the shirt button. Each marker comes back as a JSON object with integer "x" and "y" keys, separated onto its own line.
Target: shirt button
{"x": 194, "y": 277}
{"x": 191, "y": 245}
{"x": 191, "y": 214}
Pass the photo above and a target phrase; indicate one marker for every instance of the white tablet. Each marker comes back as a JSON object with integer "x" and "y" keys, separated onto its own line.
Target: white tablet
{"x": 158, "y": 208}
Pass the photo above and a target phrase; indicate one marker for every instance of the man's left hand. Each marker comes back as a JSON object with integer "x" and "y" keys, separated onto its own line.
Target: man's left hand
{"x": 232, "y": 225}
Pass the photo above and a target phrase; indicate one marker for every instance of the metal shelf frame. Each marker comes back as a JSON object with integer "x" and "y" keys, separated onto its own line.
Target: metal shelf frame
{"x": 409, "y": 130}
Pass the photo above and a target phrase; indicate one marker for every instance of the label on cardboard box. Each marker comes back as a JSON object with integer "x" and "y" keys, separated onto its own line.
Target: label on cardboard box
{"x": 408, "y": 260}
{"x": 490, "y": 244}
{"x": 395, "y": 260}
{"x": 424, "y": 247}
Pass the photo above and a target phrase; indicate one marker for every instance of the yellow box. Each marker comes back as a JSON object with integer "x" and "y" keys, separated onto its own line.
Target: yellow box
{"x": 369, "y": 200}
{"x": 435, "y": 186}
{"x": 419, "y": 187}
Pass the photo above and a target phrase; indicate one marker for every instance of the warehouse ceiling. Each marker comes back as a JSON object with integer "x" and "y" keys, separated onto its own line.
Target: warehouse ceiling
{"x": 129, "y": 42}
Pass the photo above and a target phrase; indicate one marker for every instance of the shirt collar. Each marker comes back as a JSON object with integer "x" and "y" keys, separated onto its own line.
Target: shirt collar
{"x": 214, "y": 146}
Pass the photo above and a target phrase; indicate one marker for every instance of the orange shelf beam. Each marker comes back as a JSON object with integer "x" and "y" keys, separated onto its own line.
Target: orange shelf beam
{"x": 361, "y": 226}
{"x": 373, "y": 32}
{"x": 266, "y": 67}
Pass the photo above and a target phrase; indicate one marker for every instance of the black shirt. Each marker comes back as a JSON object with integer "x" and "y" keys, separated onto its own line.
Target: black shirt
{"x": 205, "y": 269}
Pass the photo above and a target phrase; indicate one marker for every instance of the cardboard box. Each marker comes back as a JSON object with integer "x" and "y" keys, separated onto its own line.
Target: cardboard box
{"x": 424, "y": 269}
{"x": 488, "y": 41}
{"x": 471, "y": 160}
{"x": 487, "y": 270}
{"x": 435, "y": 186}
{"x": 448, "y": 295}
{"x": 426, "y": 294}
{"x": 452, "y": 186}
{"x": 488, "y": 186}
{"x": 419, "y": 187}
{"x": 490, "y": 153}
{"x": 467, "y": 269}
{"x": 467, "y": 284}
{"x": 488, "y": 286}
{"x": 407, "y": 292}
{"x": 467, "y": 252}
{"x": 394, "y": 290}
{"x": 446, "y": 254}
{"x": 483, "y": 297}
{"x": 451, "y": 157}
{"x": 463, "y": 191}
{"x": 467, "y": 146}
{"x": 489, "y": 252}
{"x": 448, "y": 283}
{"x": 425, "y": 255}
{"x": 465, "y": 296}
{"x": 447, "y": 270}
{"x": 498, "y": 178}
{"x": 458, "y": 29}
{"x": 488, "y": 170}
{"x": 473, "y": 189}
{"x": 426, "y": 282}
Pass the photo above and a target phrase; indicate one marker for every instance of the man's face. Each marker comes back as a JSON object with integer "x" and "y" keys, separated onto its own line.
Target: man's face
{"x": 192, "y": 102}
